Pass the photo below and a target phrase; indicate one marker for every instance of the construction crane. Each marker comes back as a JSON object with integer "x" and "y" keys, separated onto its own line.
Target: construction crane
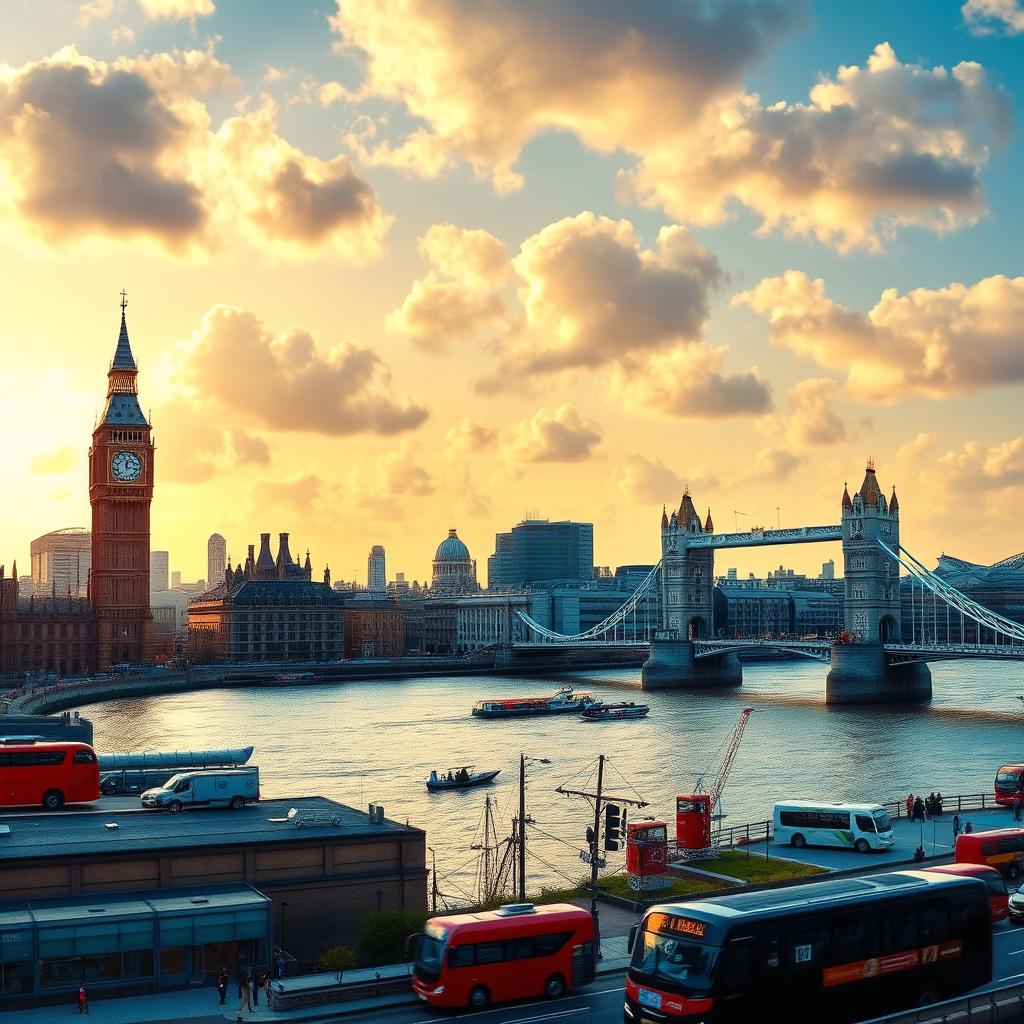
{"x": 731, "y": 748}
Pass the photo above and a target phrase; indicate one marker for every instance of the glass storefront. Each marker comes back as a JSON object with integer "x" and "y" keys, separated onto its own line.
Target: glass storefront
{"x": 166, "y": 938}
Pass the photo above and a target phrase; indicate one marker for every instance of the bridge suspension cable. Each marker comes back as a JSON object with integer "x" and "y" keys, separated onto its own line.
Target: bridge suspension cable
{"x": 606, "y": 625}
{"x": 983, "y": 617}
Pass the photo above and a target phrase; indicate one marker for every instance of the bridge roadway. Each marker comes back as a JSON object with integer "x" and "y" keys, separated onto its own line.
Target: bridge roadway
{"x": 601, "y": 1003}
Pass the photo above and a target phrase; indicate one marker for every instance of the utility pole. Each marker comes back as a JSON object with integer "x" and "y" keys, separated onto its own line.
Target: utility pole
{"x": 433, "y": 880}
{"x": 596, "y": 861}
{"x": 522, "y": 828}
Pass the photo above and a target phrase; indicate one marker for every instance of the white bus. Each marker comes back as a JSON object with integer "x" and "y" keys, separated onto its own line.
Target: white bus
{"x": 859, "y": 827}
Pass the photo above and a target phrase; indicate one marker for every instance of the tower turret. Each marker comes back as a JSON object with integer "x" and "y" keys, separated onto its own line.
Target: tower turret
{"x": 709, "y": 526}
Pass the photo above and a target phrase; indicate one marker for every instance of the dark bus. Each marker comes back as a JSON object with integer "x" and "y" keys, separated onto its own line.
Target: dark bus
{"x": 845, "y": 950}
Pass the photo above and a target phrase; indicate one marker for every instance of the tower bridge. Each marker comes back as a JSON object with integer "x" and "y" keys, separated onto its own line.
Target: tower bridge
{"x": 871, "y": 661}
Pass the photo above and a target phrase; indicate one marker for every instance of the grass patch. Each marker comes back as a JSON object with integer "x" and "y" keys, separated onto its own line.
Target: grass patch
{"x": 756, "y": 869}
{"x": 618, "y": 885}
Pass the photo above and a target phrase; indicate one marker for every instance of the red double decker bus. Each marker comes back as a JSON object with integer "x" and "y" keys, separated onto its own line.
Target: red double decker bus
{"x": 49, "y": 774}
{"x": 516, "y": 952}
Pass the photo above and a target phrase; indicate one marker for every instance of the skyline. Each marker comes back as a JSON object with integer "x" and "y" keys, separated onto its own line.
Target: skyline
{"x": 832, "y": 278}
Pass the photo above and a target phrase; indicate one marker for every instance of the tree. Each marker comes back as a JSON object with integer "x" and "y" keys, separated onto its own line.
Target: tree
{"x": 337, "y": 960}
{"x": 383, "y": 935}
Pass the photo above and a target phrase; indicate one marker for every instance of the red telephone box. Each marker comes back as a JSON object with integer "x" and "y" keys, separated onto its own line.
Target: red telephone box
{"x": 646, "y": 848}
{"x": 693, "y": 821}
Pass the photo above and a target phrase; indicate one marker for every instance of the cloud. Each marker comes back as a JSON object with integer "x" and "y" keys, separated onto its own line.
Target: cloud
{"x": 122, "y": 35}
{"x": 120, "y": 150}
{"x": 774, "y": 464}
{"x": 285, "y": 382}
{"x": 812, "y": 420}
{"x": 177, "y": 10}
{"x": 299, "y": 492}
{"x": 935, "y": 342}
{"x": 469, "y": 437}
{"x": 553, "y": 435}
{"x": 976, "y": 466}
{"x": 60, "y": 460}
{"x": 650, "y": 480}
{"x": 402, "y": 473}
{"x": 990, "y": 17}
{"x": 248, "y": 449}
{"x": 457, "y": 298}
{"x": 88, "y": 148}
{"x": 94, "y": 10}
{"x": 688, "y": 382}
{"x": 592, "y": 295}
{"x": 287, "y": 197}
{"x": 876, "y": 147}
{"x": 485, "y": 78}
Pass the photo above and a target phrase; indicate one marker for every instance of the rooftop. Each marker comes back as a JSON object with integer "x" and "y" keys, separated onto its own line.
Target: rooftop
{"x": 79, "y": 834}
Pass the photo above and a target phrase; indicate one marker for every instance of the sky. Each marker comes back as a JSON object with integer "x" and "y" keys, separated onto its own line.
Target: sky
{"x": 398, "y": 266}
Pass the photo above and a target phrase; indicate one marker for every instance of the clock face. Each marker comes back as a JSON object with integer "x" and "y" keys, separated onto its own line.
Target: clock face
{"x": 126, "y": 466}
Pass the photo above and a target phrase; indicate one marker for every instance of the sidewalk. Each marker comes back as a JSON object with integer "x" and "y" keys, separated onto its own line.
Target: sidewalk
{"x": 200, "y": 1005}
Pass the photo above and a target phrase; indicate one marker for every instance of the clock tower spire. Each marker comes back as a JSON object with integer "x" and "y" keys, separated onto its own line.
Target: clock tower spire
{"x": 120, "y": 493}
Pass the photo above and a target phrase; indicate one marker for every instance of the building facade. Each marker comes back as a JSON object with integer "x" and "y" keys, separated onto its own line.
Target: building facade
{"x": 376, "y": 570}
{"x": 120, "y": 493}
{"x": 268, "y": 610}
{"x": 60, "y": 563}
{"x": 374, "y": 627}
{"x": 216, "y": 558}
{"x": 539, "y": 551}
{"x": 159, "y": 571}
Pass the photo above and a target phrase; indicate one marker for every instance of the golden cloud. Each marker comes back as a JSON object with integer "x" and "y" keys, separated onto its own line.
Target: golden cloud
{"x": 935, "y": 342}
{"x": 553, "y": 435}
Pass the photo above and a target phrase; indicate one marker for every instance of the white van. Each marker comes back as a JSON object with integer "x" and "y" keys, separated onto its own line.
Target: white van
{"x": 859, "y": 827}
{"x": 224, "y": 787}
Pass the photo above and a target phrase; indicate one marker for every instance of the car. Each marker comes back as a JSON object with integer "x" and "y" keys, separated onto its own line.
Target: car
{"x": 1016, "y": 906}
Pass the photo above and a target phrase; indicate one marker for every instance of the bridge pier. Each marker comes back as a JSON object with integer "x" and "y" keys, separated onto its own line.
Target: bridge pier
{"x": 672, "y": 666}
{"x": 862, "y": 674}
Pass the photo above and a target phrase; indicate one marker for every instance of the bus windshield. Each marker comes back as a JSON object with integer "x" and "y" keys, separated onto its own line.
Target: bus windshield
{"x": 433, "y": 942}
{"x": 674, "y": 959}
{"x": 1007, "y": 778}
{"x": 882, "y": 822}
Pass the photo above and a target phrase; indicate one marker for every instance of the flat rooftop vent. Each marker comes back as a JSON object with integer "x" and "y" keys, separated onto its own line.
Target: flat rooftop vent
{"x": 512, "y": 909}
{"x": 5, "y": 830}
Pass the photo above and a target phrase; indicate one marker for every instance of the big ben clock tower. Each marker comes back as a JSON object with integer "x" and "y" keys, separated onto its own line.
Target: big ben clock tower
{"x": 120, "y": 493}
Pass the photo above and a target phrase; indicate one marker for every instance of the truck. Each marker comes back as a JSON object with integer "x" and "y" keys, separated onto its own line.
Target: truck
{"x": 223, "y": 787}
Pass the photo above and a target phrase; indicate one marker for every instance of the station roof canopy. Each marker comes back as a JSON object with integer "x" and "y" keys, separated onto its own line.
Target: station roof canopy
{"x": 86, "y": 833}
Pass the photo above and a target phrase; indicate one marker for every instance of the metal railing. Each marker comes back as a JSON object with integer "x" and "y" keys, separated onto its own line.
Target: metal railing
{"x": 1000, "y": 1006}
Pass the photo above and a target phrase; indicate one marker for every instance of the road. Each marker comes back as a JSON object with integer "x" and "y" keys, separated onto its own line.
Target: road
{"x": 601, "y": 1002}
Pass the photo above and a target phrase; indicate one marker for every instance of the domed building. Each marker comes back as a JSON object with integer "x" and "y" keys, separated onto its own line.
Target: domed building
{"x": 454, "y": 569}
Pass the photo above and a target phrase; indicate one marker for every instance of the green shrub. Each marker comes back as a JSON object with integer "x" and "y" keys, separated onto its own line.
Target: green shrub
{"x": 337, "y": 960}
{"x": 383, "y": 935}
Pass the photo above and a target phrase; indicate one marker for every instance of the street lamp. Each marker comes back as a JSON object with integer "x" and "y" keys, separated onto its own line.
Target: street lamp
{"x": 523, "y": 762}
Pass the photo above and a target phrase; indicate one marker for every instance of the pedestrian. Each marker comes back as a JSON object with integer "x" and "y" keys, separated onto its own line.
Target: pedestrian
{"x": 222, "y": 984}
{"x": 918, "y": 809}
{"x": 265, "y": 985}
{"x": 83, "y": 999}
{"x": 956, "y": 827}
{"x": 968, "y": 829}
{"x": 910, "y": 805}
{"x": 938, "y": 804}
{"x": 254, "y": 982}
{"x": 246, "y": 994}
{"x": 281, "y": 963}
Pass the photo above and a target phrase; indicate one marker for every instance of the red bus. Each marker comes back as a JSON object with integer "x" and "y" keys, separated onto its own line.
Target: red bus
{"x": 1001, "y": 848}
{"x": 515, "y": 952}
{"x": 844, "y": 950}
{"x": 1008, "y": 784}
{"x": 50, "y": 774}
{"x": 998, "y": 897}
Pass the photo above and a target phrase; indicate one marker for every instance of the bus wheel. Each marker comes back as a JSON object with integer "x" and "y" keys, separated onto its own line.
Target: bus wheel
{"x": 862, "y": 846}
{"x": 555, "y": 987}
{"x": 53, "y": 800}
{"x": 237, "y": 803}
{"x": 174, "y": 807}
{"x": 479, "y": 998}
{"x": 798, "y": 841}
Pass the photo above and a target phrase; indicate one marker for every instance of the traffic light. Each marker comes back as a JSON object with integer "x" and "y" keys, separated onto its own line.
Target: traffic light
{"x": 590, "y": 838}
{"x": 613, "y": 826}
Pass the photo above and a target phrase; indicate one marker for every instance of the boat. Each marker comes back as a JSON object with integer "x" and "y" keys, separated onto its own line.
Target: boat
{"x": 463, "y": 777}
{"x": 519, "y": 707}
{"x": 292, "y": 678}
{"x": 613, "y": 712}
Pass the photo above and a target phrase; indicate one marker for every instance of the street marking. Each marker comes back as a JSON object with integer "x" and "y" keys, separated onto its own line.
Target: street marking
{"x": 548, "y": 1016}
{"x": 521, "y": 1020}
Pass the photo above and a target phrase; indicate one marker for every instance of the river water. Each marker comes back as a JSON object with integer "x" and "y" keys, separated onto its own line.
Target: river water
{"x": 376, "y": 741}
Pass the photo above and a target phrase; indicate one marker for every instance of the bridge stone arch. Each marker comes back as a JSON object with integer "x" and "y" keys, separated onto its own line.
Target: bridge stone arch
{"x": 888, "y": 629}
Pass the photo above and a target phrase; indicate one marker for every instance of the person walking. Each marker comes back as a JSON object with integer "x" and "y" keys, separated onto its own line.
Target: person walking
{"x": 246, "y": 993}
{"x": 910, "y": 805}
{"x": 83, "y": 999}
{"x": 956, "y": 827}
{"x": 254, "y": 983}
{"x": 222, "y": 984}
{"x": 919, "y": 810}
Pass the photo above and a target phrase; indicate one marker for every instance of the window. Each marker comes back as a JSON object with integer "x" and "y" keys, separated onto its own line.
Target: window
{"x": 898, "y": 932}
{"x": 84, "y": 757}
{"x": 865, "y": 823}
{"x": 50, "y": 757}
{"x": 460, "y": 956}
{"x": 855, "y": 940}
{"x": 735, "y": 974}
{"x": 519, "y": 949}
{"x": 5, "y": 760}
{"x": 934, "y": 925}
{"x": 807, "y": 949}
{"x": 548, "y": 945}
{"x": 22, "y": 760}
{"x": 490, "y": 952}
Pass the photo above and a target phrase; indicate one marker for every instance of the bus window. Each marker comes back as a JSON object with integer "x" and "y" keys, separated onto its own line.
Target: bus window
{"x": 548, "y": 945}
{"x": 934, "y": 925}
{"x": 519, "y": 949}
{"x": 672, "y": 958}
{"x": 865, "y": 823}
{"x": 461, "y": 956}
{"x": 855, "y": 940}
{"x": 734, "y": 973}
{"x": 84, "y": 757}
{"x": 899, "y": 932}
{"x": 807, "y": 949}
{"x": 489, "y": 952}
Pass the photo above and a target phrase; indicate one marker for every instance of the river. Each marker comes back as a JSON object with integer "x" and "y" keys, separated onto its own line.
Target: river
{"x": 376, "y": 741}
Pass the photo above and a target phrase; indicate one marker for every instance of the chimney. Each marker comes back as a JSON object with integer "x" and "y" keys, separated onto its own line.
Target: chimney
{"x": 265, "y": 568}
{"x": 284, "y": 556}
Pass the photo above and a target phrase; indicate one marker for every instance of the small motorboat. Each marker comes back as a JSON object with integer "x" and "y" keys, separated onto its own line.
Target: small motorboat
{"x": 461, "y": 778}
{"x": 614, "y": 712}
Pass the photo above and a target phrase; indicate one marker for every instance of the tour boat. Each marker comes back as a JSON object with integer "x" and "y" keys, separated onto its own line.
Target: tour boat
{"x": 518, "y": 707}
{"x": 460, "y": 778}
{"x": 291, "y": 678}
{"x": 613, "y": 712}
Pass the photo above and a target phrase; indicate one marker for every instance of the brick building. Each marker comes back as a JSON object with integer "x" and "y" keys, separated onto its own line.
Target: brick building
{"x": 374, "y": 627}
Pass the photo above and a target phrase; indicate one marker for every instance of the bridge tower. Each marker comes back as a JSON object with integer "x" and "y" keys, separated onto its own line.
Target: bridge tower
{"x": 687, "y": 609}
{"x": 861, "y": 673}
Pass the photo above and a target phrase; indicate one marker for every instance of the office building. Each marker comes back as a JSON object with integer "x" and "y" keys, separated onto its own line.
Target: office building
{"x": 374, "y": 626}
{"x": 828, "y": 570}
{"x": 538, "y": 551}
{"x": 216, "y": 558}
{"x": 60, "y": 563}
{"x": 176, "y": 578}
{"x": 376, "y": 573}
{"x": 159, "y": 571}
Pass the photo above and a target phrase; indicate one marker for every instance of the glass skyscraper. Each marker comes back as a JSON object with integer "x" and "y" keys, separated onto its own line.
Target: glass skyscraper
{"x": 539, "y": 551}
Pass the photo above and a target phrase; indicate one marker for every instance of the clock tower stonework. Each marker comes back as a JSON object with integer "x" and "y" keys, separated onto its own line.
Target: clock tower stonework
{"x": 120, "y": 493}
